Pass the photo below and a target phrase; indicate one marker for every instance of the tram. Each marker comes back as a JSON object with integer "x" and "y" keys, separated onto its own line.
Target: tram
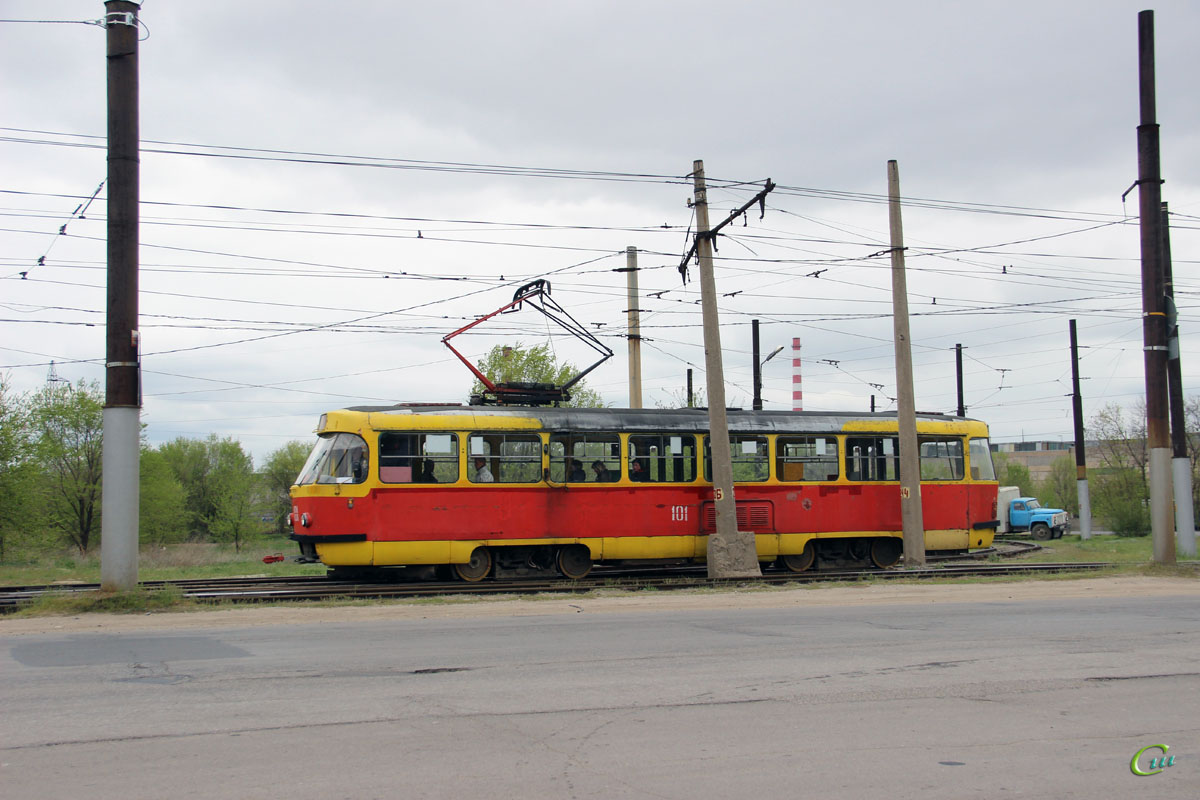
{"x": 481, "y": 491}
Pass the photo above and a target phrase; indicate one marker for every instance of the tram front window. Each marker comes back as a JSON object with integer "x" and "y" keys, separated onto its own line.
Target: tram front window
{"x": 337, "y": 458}
{"x": 980, "y": 454}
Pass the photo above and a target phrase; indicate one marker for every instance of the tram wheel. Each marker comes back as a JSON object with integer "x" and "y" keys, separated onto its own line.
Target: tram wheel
{"x": 477, "y": 568}
{"x": 885, "y": 551}
{"x": 574, "y": 561}
{"x": 801, "y": 561}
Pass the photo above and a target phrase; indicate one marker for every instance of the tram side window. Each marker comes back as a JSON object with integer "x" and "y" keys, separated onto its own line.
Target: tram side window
{"x": 750, "y": 458}
{"x": 872, "y": 458}
{"x": 418, "y": 457}
{"x": 941, "y": 459}
{"x": 806, "y": 458}
{"x": 337, "y": 458}
{"x": 572, "y": 456}
{"x": 662, "y": 458}
{"x": 507, "y": 457}
{"x": 982, "y": 468}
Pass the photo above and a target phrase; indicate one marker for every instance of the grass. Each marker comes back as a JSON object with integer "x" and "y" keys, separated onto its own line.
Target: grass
{"x": 141, "y": 601}
{"x": 173, "y": 562}
{"x": 1114, "y": 549}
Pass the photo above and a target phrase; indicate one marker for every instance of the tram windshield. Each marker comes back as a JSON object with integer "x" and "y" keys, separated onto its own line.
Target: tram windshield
{"x": 982, "y": 468}
{"x": 337, "y": 458}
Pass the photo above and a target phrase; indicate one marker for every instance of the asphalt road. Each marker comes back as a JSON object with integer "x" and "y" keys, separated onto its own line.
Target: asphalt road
{"x": 937, "y": 700}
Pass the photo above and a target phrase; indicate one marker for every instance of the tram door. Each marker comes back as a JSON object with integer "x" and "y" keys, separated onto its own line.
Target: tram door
{"x": 580, "y": 467}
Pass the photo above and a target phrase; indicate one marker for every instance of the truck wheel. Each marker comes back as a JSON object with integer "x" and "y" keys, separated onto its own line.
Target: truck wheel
{"x": 1041, "y": 531}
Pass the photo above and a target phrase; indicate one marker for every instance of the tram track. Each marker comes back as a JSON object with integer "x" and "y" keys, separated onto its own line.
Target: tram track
{"x": 315, "y": 587}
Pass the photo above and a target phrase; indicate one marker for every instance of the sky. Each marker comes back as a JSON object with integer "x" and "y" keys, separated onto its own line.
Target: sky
{"x": 329, "y": 189}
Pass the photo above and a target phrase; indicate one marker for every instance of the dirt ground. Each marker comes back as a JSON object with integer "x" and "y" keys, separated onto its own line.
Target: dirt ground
{"x": 877, "y": 594}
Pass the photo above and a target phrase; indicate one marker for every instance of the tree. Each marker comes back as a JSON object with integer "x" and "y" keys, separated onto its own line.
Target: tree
{"x": 534, "y": 365}
{"x": 189, "y": 462}
{"x": 17, "y": 478}
{"x": 1192, "y": 426}
{"x": 220, "y": 487}
{"x": 1060, "y": 489}
{"x": 235, "y": 505}
{"x": 278, "y": 474}
{"x": 1013, "y": 473}
{"x": 67, "y": 425}
{"x": 1121, "y": 482}
{"x": 162, "y": 501}
{"x": 677, "y": 398}
{"x": 1121, "y": 441}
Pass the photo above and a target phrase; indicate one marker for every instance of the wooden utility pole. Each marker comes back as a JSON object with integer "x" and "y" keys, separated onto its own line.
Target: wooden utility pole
{"x": 635, "y": 331}
{"x": 1081, "y": 480}
{"x": 731, "y": 553}
{"x": 1181, "y": 464}
{"x": 122, "y": 395}
{"x": 756, "y": 403}
{"x": 1154, "y": 318}
{"x": 962, "y": 409}
{"x": 910, "y": 458}
{"x": 758, "y": 363}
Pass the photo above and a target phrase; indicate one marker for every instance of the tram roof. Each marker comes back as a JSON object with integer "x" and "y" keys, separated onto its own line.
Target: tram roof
{"x": 665, "y": 420}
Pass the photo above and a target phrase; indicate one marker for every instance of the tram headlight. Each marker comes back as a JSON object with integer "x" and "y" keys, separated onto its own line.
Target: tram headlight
{"x": 305, "y": 520}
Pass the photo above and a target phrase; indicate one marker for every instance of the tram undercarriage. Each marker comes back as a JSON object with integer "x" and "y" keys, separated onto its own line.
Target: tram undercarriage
{"x": 573, "y": 561}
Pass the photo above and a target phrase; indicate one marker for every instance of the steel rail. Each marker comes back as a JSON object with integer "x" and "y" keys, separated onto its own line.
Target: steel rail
{"x": 310, "y": 588}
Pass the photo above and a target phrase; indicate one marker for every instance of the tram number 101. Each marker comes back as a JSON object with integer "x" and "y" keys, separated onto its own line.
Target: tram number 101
{"x": 679, "y": 513}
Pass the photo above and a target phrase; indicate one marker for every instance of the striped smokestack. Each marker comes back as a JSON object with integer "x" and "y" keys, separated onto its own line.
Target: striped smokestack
{"x": 797, "y": 388}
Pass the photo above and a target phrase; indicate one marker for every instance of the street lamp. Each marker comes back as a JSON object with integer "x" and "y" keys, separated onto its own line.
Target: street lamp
{"x": 758, "y": 377}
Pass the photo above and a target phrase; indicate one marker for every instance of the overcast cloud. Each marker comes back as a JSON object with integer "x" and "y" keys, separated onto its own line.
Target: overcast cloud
{"x": 991, "y": 109}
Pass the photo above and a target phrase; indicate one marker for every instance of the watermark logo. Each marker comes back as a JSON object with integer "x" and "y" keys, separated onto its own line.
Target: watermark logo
{"x": 1156, "y": 764}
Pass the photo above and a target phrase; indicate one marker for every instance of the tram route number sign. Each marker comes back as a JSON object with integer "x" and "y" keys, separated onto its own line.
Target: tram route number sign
{"x": 679, "y": 513}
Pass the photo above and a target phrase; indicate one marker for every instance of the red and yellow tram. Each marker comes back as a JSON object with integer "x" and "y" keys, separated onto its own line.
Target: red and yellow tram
{"x": 507, "y": 490}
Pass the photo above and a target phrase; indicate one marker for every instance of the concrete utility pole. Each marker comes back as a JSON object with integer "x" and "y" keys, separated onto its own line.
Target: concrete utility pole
{"x": 910, "y": 457}
{"x": 122, "y": 395}
{"x": 1081, "y": 480}
{"x": 731, "y": 553}
{"x": 1181, "y": 465}
{"x": 1154, "y": 318}
{"x": 635, "y": 330}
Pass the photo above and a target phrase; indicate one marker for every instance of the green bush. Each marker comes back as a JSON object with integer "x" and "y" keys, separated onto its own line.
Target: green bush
{"x": 1131, "y": 518}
